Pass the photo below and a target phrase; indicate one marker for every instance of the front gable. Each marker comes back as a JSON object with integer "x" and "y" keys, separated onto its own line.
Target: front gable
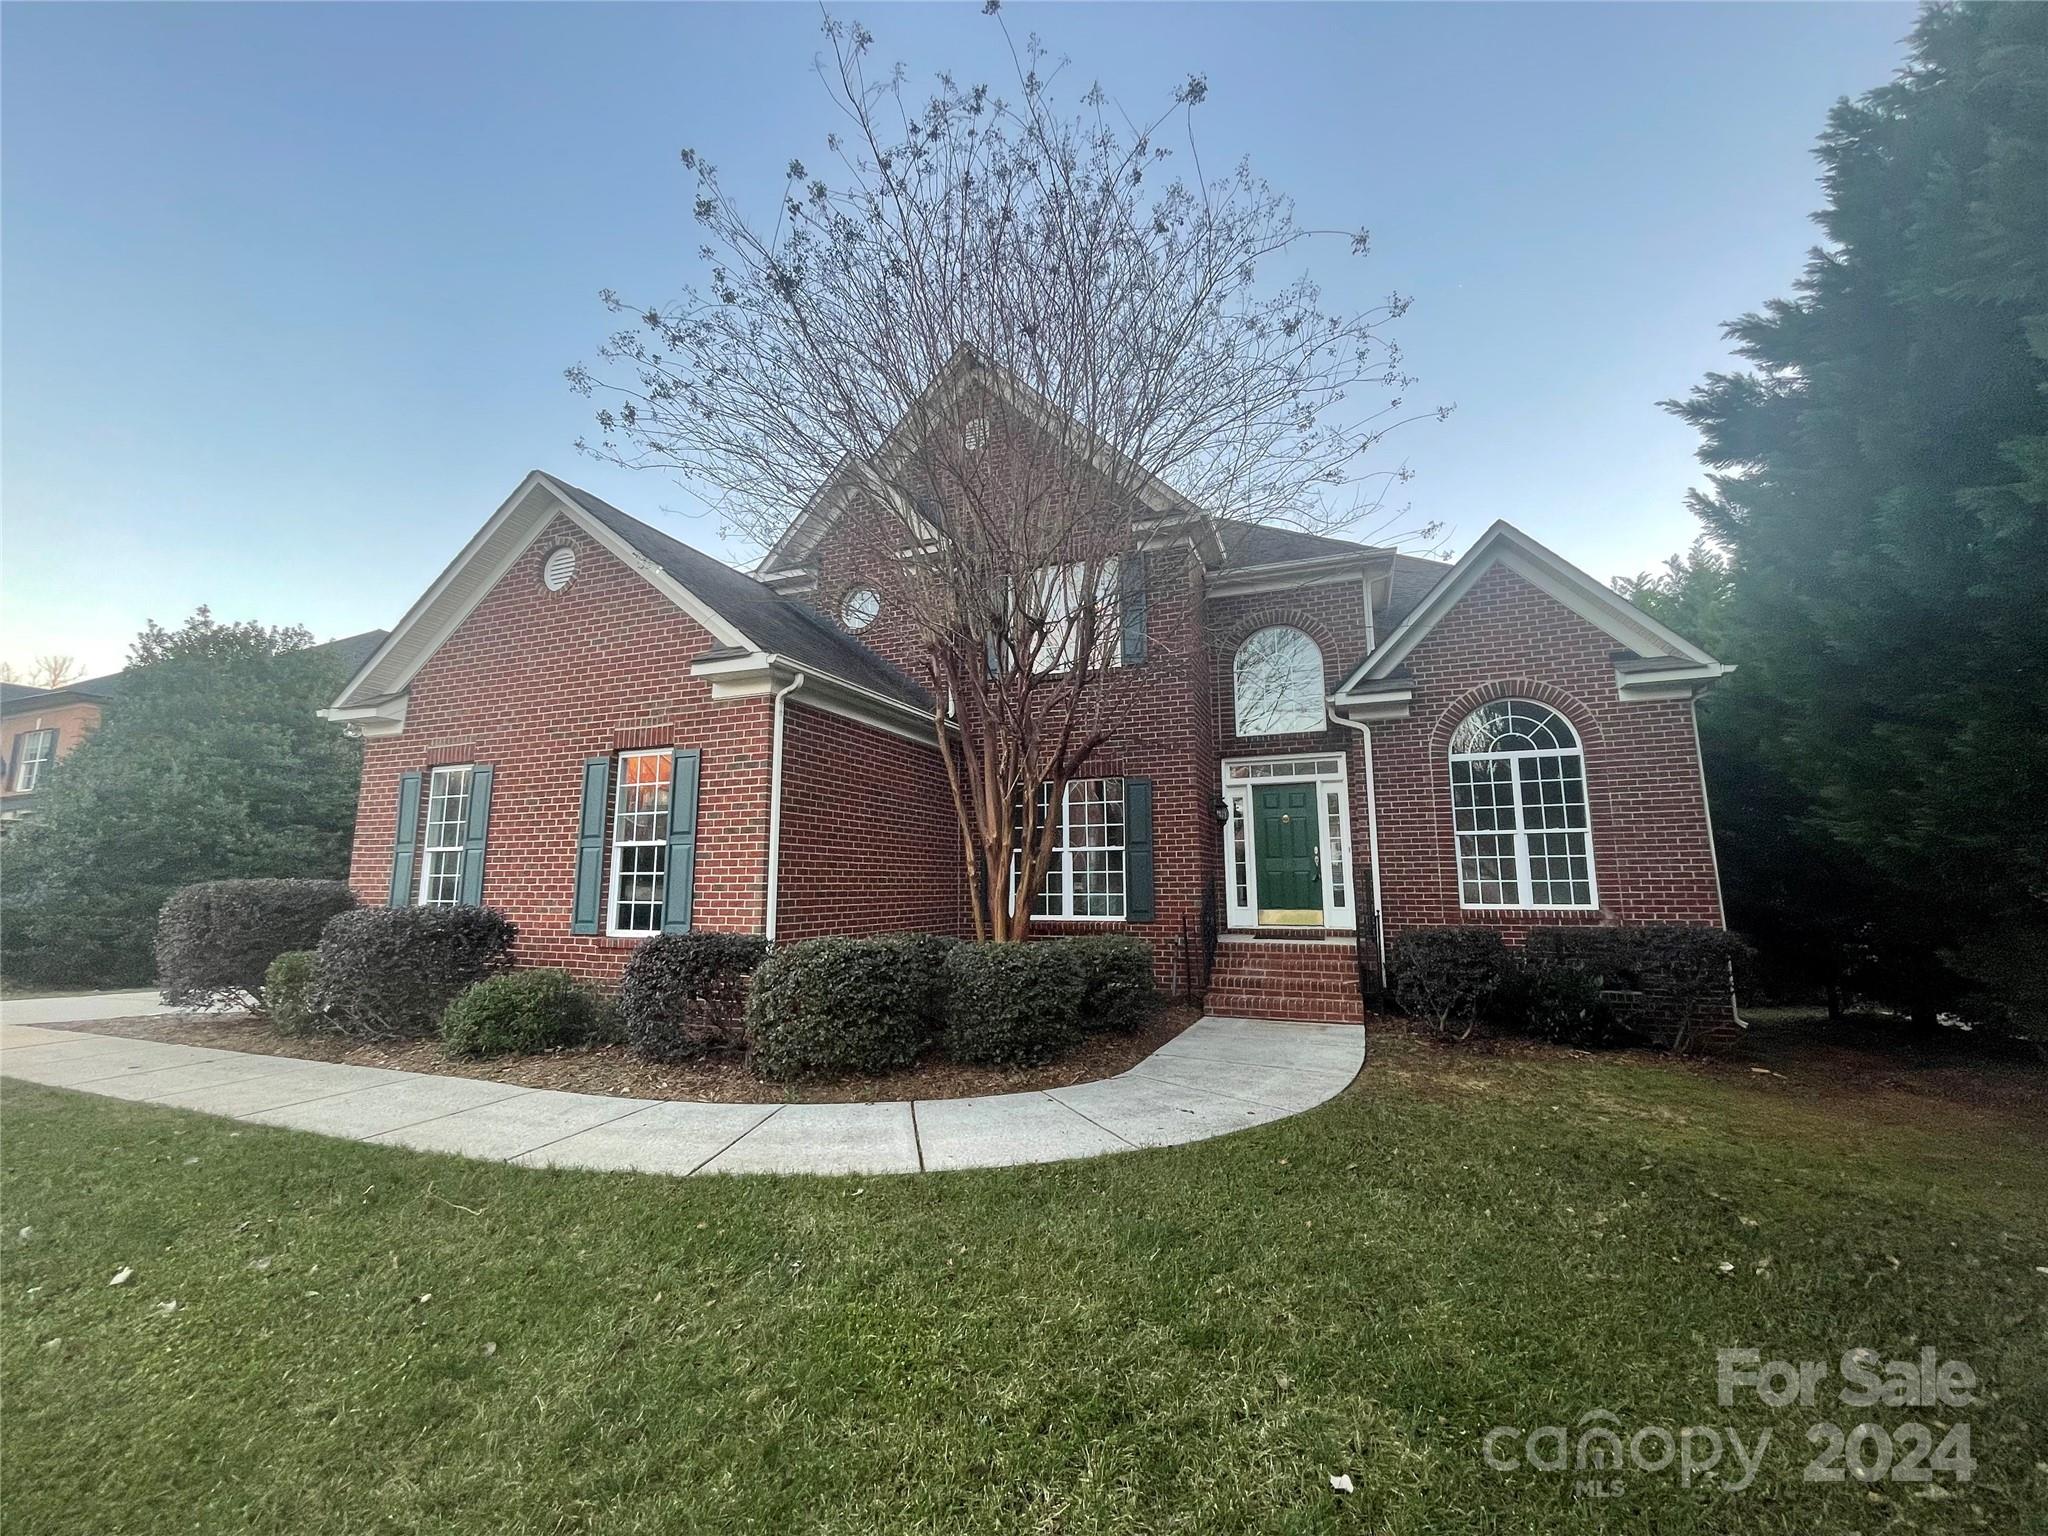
{"x": 1649, "y": 660}
{"x": 374, "y": 700}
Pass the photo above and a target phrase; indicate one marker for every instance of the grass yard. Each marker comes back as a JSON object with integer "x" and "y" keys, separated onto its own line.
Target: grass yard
{"x": 1190, "y": 1340}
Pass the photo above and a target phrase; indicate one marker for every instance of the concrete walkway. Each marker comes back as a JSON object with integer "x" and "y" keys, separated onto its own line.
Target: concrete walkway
{"x": 1218, "y": 1076}
{"x": 81, "y": 1006}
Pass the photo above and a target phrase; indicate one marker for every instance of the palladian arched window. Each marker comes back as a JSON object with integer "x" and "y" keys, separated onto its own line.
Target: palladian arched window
{"x": 1518, "y": 803}
{"x": 1278, "y": 683}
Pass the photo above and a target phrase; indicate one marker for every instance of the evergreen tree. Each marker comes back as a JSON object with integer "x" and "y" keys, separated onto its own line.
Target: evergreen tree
{"x": 1880, "y": 483}
{"x": 210, "y": 763}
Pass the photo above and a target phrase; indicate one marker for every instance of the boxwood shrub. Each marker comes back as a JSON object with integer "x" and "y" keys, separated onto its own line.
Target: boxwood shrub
{"x": 685, "y": 994}
{"x": 215, "y": 940}
{"x": 824, "y": 1007}
{"x": 1013, "y": 1004}
{"x": 1447, "y": 977}
{"x": 1667, "y": 981}
{"x": 388, "y": 972}
{"x": 1117, "y": 993}
{"x": 1548, "y": 1000}
{"x": 532, "y": 1010}
{"x": 288, "y": 992}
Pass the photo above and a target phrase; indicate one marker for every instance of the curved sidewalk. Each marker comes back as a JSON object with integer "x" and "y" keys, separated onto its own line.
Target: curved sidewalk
{"x": 1217, "y": 1076}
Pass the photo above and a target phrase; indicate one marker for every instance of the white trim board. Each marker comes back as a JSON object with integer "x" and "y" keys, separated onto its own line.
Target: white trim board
{"x": 1550, "y": 573}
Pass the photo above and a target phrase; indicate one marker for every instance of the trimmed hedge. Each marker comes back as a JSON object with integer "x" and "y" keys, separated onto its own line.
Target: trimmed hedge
{"x": 685, "y": 994}
{"x": 828, "y": 1006}
{"x": 1560, "y": 1003}
{"x": 1117, "y": 992}
{"x": 388, "y": 972}
{"x": 288, "y": 992}
{"x": 1013, "y": 1004}
{"x": 533, "y": 1010}
{"x": 1673, "y": 977}
{"x": 215, "y": 940}
{"x": 1447, "y": 977}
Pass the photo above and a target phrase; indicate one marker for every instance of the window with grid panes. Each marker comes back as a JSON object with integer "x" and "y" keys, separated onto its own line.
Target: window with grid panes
{"x": 447, "y": 831}
{"x": 1084, "y": 878}
{"x": 639, "y": 890}
{"x": 1518, "y": 806}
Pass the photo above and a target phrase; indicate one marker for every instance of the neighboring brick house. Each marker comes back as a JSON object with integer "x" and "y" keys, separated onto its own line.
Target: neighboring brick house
{"x": 1315, "y": 746}
{"x": 39, "y": 727}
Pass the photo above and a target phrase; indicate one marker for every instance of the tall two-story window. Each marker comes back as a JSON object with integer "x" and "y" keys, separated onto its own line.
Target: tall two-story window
{"x": 33, "y": 751}
{"x": 1085, "y": 877}
{"x": 1518, "y": 806}
{"x": 640, "y": 826}
{"x": 447, "y": 833}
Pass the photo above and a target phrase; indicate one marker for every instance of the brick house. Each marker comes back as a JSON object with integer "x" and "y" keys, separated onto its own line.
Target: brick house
{"x": 1317, "y": 745}
{"x": 39, "y": 727}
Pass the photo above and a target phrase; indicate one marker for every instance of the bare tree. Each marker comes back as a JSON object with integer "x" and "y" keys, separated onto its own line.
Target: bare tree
{"x": 1005, "y": 330}
{"x": 46, "y": 672}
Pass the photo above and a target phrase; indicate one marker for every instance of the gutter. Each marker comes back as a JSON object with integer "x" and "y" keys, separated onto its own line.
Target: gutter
{"x": 775, "y": 806}
{"x": 1372, "y": 833}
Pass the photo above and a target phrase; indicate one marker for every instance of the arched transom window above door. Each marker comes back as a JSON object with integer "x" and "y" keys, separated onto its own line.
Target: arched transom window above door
{"x": 1278, "y": 683}
{"x": 1518, "y": 807}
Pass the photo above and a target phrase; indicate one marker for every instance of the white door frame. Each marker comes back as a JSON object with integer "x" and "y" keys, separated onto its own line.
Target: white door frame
{"x": 1330, "y": 773}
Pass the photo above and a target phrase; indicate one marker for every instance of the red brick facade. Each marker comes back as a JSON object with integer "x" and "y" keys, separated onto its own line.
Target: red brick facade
{"x": 869, "y": 843}
{"x": 1653, "y": 860}
{"x": 534, "y": 682}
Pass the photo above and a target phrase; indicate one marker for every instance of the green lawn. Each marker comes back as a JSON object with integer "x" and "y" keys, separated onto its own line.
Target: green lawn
{"x": 1189, "y": 1340}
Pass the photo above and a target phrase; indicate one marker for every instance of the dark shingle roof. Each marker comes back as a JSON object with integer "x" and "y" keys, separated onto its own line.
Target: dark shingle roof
{"x": 773, "y": 622}
{"x": 353, "y": 650}
{"x": 1412, "y": 580}
{"x": 1264, "y": 544}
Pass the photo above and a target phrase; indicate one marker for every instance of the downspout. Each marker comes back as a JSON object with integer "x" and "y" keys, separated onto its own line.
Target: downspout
{"x": 775, "y": 805}
{"x": 1372, "y": 834}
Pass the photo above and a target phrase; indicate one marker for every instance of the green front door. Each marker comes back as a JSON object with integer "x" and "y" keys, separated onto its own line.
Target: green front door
{"x": 1290, "y": 868}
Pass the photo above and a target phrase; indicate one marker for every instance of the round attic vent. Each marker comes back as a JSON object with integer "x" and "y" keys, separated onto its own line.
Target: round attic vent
{"x": 559, "y": 570}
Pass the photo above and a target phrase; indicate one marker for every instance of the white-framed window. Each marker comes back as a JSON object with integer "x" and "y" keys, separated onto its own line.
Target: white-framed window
{"x": 1518, "y": 807}
{"x": 639, "y": 889}
{"x": 1058, "y": 601}
{"x": 447, "y": 832}
{"x": 859, "y": 608}
{"x": 1277, "y": 683}
{"x": 1084, "y": 878}
{"x": 33, "y": 751}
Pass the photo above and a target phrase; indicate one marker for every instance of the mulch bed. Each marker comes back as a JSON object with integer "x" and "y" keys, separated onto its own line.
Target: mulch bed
{"x": 612, "y": 1069}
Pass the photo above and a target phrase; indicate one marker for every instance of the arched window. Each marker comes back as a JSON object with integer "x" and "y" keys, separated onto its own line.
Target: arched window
{"x": 1518, "y": 802}
{"x": 1278, "y": 683}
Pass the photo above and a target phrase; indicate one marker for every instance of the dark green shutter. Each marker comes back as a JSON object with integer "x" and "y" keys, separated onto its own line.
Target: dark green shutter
{"x": 1138, "y": 850}
{"x": 473, "y": 835}
{"x": 682, "y": 841}
{"x": 405, "y": 845}
{"x": 589, "y": 906}
{"x": 1131, "y": 607}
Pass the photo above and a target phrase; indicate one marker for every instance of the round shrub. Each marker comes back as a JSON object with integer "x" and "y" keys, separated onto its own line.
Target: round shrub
{"x": 1447, "y": 977}
{"x": 388, "y": 972}
{"x": 215, "y": 940}
{"x": 685, "y": 994}
{"x": 828, "y": 1006}
{"x": 288, "y": 992}
{"x": 534, "y": 1010}
{"x": 1012, "y": 1005}
{"x": 1117, "y": 993}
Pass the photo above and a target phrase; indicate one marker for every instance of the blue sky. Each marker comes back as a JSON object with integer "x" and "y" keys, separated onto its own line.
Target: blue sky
{"x": 288, "y": 291}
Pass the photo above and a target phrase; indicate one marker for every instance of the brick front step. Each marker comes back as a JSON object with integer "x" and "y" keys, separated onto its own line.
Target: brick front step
{"x": 1285, "y": 979}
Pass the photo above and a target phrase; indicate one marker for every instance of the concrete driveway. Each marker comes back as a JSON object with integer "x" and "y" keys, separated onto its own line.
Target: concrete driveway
{"x": 1218, "y": 1076}
{"x": 81, "y": 1007}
